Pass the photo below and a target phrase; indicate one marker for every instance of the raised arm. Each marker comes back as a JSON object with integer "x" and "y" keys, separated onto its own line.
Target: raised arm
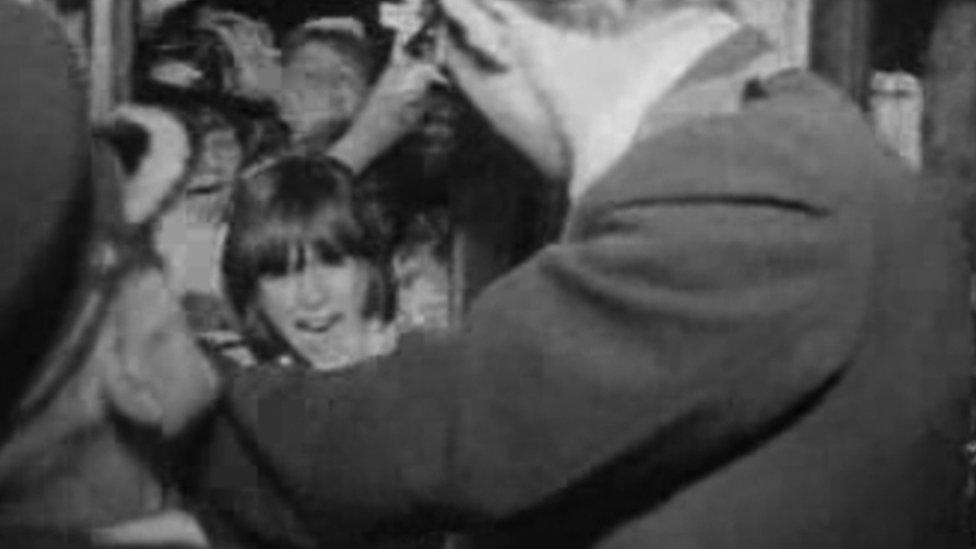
{"x": 668, "y": 335}
{"x": 393, "y": 109}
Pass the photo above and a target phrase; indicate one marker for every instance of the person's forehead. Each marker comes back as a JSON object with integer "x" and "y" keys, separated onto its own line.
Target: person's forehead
{"x": 323, "y": 58}
{"x": 221, "y": 137}
{"x": 319, "y": 51}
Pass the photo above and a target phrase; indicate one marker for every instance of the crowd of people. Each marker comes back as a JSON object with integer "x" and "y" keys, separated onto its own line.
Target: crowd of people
{"x": 753, "y": 330}
{"x": 270, "y": 120}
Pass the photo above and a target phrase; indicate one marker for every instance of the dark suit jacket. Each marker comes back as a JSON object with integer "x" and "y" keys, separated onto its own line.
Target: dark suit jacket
{"x": 41, "y": 539}
{"x": 753, "y": 334}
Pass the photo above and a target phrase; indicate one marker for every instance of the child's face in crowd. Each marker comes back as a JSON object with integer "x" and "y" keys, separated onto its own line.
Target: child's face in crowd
{"x": 209, "y": 188}
{"x": 220, "y": 159}
{"x": 320, "y": 86}
{"x": 188, "y": 235}
{"x": 319, "y": 310}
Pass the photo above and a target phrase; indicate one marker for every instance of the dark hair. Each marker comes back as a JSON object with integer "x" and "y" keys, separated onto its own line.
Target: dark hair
{"x": 347, "y": 44}
{"x": 295, "y": 204}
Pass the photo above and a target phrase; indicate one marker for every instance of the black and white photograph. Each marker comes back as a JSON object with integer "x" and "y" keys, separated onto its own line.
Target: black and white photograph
{"x": 488, "y": 274}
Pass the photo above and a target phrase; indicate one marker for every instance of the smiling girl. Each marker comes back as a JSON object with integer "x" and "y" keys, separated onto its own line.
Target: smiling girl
{"x": 306, "y": 267}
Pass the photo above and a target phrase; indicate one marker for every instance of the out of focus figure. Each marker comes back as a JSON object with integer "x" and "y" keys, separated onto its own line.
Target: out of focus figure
{"x": 327, "y": 68}
{"x": 214, "y": 52}
{"x": 189, "y": 234}
{"x": 101, "y": 372}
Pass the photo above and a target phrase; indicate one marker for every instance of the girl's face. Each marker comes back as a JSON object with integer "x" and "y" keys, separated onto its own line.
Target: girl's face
{"x": 320, "y": 87}
{"x": 319, "y": 310}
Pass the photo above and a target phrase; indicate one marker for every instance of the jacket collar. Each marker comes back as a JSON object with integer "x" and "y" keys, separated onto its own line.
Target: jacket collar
{"x": 719, "y": 83}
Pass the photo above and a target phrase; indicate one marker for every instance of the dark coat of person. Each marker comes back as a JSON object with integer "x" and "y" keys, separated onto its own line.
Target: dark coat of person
{"x": 754, "y": 333}
{"x": 45, "y": 208}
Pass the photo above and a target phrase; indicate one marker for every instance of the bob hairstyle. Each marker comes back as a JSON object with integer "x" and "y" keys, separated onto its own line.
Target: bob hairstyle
{"x": 295, "y": 206}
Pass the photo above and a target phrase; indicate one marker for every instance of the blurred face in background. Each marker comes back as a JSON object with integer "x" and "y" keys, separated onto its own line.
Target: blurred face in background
{"x": 318, "y": 308}
{"x": 438, "y": 137}
{"x": 220, "y": 158}
{"x": 321, "y": 85}
{"x": 189, "y": 234}
{"x": 209, "y": 189}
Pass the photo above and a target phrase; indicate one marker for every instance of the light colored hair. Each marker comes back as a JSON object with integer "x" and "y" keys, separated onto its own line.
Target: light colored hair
{"x": 351, "y": 45}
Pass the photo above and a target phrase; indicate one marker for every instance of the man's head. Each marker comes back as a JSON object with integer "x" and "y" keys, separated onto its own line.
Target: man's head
{"x": 533, "y": 67}
{"x": 326, "y": 76}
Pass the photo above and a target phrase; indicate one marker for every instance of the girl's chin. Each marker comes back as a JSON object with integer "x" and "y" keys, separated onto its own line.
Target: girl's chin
{"x": 336, "y": 360}
{"x": 326, "y": 352}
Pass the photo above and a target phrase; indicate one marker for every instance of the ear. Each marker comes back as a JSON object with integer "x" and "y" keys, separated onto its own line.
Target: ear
{"x": 127, "y": 389}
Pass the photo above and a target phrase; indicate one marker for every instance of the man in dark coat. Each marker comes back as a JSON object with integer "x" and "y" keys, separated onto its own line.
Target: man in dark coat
{"x": 753, "y": 332}
{"x": 99, "y": 370}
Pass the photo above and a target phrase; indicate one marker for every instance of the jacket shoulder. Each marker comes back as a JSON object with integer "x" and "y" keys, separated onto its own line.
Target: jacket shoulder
{"x": 798, "y": 142}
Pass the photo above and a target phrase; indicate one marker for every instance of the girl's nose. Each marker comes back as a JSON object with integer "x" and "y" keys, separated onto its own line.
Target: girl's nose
{"x": 312, "y": 290}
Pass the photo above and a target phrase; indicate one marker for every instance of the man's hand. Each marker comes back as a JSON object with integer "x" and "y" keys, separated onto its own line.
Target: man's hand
{"x": 394, "y": 108}
{"x": 256, "y": 61}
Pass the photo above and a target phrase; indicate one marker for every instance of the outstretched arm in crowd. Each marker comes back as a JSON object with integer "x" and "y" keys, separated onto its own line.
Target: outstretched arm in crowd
{"x": 393, "y": 109}
{"x": 654, "y": 343}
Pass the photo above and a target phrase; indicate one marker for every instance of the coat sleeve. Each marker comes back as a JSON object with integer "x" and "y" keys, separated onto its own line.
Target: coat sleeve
{"x": 663, "y": 340}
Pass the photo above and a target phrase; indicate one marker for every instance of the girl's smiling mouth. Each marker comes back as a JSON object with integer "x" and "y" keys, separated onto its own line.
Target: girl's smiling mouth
{"x": 318, "y": 324}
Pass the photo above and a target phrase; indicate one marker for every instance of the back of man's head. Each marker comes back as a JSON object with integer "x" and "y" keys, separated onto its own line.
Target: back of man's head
{"x": 608, "y": 16}
{"x": 70, "y": 374}
{"x": 44, "y": 206}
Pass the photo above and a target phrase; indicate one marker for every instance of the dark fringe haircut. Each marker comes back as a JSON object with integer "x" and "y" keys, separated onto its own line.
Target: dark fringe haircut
{"x": 297, "y": 204}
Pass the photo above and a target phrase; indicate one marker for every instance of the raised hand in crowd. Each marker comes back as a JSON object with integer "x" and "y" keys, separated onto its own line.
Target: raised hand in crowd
{"x": 393, "y": 109}
{"x": 250, "y": 43}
